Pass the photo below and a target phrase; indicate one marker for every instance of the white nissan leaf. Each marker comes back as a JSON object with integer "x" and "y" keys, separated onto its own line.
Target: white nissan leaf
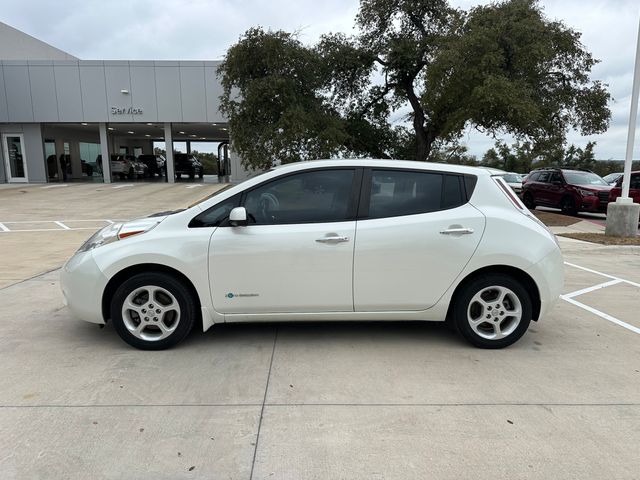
{"x": 326, "y": 240}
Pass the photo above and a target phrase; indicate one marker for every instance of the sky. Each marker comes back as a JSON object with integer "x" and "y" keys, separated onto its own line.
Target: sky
{"x": 204, "y": 29}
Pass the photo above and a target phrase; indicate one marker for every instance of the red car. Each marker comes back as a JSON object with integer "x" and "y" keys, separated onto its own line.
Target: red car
{"x": 634, "y": 188}
{"x": 572, "y": 191}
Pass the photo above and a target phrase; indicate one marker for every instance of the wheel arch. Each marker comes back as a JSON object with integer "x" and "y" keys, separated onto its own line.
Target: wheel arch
{"x": 515, "y": 272}
{"x": 117, "y": 280}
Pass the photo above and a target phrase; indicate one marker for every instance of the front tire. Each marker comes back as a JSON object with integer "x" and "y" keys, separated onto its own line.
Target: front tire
{"x": 492, "y": 310}
{"x": 153, "y": 311}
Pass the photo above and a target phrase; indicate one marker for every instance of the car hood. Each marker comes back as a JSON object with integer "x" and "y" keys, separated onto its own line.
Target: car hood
{"x": 594, "y": 188}
{"x": 165, "y": 214}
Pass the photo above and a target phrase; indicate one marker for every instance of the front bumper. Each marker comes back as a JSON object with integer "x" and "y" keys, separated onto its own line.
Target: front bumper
{"x": 82, "y": 284}
{"x": 593, "y": 204}
{"x": 548, "y": 274}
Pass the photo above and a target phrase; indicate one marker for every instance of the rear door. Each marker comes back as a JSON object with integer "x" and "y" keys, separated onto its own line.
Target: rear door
{"x": 541, "y": 188}
{"x": 415, "y": 234}
{"x": 555, "y": 188}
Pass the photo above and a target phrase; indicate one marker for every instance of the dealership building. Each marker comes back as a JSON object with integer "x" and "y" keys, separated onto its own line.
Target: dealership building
{"x": 60, "y": 116}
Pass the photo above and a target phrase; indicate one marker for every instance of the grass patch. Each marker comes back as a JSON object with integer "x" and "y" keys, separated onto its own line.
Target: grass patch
{"x": 602, "y": 239}
{"x": 555, "y": 219}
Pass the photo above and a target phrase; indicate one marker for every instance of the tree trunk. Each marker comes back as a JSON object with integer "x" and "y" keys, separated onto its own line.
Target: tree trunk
{"x": 423, "y": 139}
{"x": 423, "y": 147}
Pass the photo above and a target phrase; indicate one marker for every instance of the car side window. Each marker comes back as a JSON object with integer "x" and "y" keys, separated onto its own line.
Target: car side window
{"x": 214, "y": 216}
{"x": 543, "y": 177}
{"x": 635, "y": 182}
{"x": 309, "y": 197}
{"x": 555, "y": 177}
{"x": 397, "y": 192}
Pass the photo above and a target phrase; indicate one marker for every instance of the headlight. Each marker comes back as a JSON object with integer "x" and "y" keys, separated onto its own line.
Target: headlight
{"x": 119, "y": 231}
{"x": 107, "y": 235}
{"x": 586, "y": 193}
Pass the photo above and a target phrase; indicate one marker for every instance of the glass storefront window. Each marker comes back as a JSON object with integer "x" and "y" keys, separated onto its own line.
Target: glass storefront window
{"x": 88, "y": 156}
{"x": 13, "y": 147}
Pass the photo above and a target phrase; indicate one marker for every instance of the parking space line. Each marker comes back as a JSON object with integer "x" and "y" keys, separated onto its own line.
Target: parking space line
{"x": 49, "y": 230}
{"x": 123, "y": 186}
{"x": 55, "y": 186}
{"x": 591, "y": 289}
{"x": 603, "y": 274}
{"x": 60, "y": 224}
{"x": 606, "y": 316}
{"x": 569, "y": 297}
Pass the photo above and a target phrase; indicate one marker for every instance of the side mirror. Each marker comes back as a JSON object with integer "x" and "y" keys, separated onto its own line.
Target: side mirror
{"x": 238, "y": 217}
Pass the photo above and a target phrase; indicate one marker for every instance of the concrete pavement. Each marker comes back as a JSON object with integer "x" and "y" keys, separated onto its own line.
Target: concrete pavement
{"x": 355, "y": 400}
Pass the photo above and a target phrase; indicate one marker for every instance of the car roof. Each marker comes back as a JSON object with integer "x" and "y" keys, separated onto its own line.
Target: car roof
{"x": 379, "y": 163}
{"x": 561, "y": 169}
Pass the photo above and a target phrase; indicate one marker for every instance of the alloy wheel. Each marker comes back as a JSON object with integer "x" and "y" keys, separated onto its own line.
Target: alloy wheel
{"x": 494, "y": 312}
{"x": 151, "y": 313}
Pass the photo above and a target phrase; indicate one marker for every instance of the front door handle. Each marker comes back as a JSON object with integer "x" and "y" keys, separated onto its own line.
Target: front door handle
{"x": 332, "y": 239}
{"x": 457, "y": 231}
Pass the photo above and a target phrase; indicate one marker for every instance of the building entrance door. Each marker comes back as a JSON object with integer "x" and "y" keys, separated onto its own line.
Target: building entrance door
{"x": 14, "y": 158}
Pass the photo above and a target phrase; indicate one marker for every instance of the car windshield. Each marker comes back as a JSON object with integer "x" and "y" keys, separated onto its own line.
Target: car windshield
{"x": 584, "y": 178}
{"x": 227, "y": 187}
{"x": 512, "y": 177}
{"x": 612, "y": 177}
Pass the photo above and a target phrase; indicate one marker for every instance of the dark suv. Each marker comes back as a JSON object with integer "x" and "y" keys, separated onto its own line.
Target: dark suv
{"x": 187, "y": 164}
{"x": 572, "y": 191}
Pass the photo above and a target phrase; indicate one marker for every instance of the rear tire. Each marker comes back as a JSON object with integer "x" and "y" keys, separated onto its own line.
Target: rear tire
{"x": 492, "y": 310}
{"x": 528, "y": 201}
{"x": 153, "y": 311}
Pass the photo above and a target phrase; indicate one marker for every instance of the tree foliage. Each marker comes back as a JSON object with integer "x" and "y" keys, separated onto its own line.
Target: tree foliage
{"x": 502, "y": 68}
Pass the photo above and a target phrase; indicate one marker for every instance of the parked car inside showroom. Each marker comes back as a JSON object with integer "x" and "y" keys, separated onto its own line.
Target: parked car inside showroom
{"x": 127, "y": 166}
{"x": 434, "y": 242}
{"x": 187, "y": 164}
{"x": 65, "y": 159}
{"x": 634, "y": 188}
{"x": 155, "y": 164}
{"x": 570, "y": 190}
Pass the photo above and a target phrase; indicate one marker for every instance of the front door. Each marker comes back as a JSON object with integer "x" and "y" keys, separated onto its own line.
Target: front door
{"x": 415, "y": 236}
{"x": 14, "y": 157}
{"x": 296, "y": 255}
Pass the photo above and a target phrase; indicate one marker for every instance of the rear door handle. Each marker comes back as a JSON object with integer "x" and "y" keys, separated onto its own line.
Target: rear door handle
{"x": 332, "y": 239}
{"x": 457, "y": 231}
